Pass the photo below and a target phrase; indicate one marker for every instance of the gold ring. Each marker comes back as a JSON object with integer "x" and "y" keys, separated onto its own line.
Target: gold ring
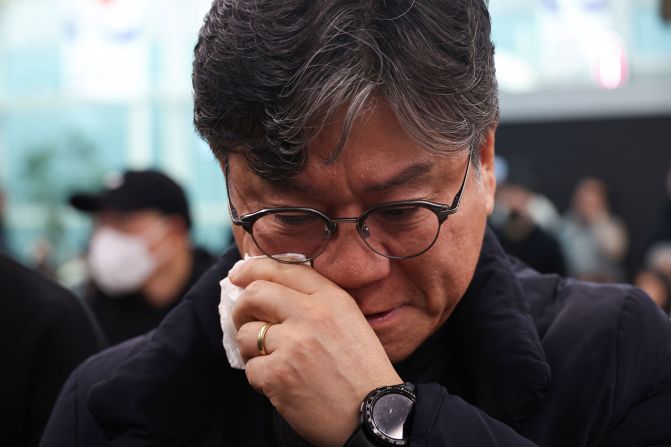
{"x": 261, "y": 339}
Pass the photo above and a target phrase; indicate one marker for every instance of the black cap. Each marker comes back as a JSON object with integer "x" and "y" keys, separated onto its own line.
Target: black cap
{"x": 135, "y": 191}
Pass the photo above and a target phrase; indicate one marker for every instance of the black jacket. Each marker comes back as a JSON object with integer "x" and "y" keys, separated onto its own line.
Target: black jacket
{"x": 524, "y": 360}
{"x": 130, "y": 315}
{"x": 45, "y": 332}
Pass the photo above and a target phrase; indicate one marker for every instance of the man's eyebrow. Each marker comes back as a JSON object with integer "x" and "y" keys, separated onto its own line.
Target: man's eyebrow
{"x": 408, "y": 175}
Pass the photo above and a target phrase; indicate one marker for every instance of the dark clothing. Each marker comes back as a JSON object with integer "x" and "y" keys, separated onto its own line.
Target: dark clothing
{"x": 525, "y": 359}
{"x": 45, "y": 332}
{"x": 128, "y": 316}
{"x": 662, "y": 230}
{"x": 536, "y": 247}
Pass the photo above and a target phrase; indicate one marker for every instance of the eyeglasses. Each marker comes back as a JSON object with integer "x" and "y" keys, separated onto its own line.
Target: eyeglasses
{"x": 397, "y": 230}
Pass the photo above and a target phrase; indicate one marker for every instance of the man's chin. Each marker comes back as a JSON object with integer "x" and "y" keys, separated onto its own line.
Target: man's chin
{"x": 399, "y": 348}
{"x": 397, "y": 353}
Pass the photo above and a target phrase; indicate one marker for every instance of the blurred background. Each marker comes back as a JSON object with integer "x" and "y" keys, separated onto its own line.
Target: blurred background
{"x": 89, "y": 87}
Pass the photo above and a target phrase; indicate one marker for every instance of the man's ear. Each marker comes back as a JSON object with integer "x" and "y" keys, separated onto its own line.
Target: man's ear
{"x": 487, "y": 174}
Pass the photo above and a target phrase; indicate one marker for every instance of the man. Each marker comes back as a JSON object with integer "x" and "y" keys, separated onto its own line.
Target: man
{"x": 594, "y": 240}
{"x": 45, "y": 332}
{"x": 320, "y": 112}
{"x": 141, "y": 258}
{"x": 520, "y": 234}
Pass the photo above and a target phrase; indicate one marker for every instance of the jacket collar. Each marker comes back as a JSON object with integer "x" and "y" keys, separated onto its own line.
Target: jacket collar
{"x": 490, "y": 336}
{"x": 493, "y": 337}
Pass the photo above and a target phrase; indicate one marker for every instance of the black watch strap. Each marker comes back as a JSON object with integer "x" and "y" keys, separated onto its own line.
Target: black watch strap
{"x": 359, "y": 439}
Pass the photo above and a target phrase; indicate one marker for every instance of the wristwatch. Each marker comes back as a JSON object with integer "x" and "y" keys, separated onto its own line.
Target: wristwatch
{"x": 386, "y": 417}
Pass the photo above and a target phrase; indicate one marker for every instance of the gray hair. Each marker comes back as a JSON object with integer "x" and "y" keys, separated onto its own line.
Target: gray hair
{"x": 268, "y": 75}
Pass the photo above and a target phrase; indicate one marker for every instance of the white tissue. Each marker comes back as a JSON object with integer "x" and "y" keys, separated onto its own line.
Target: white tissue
{"x": 229, "y": 295}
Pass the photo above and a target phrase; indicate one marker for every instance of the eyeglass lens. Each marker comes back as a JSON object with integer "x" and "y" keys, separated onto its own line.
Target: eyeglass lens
{"x": 396, "y": 231}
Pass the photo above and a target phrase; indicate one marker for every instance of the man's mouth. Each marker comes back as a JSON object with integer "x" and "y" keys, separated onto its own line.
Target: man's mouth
{"x": 377, "y": 319}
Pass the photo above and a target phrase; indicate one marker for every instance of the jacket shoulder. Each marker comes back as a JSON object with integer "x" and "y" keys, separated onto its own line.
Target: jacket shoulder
{"x": 71, "y": 422}
{"x": 33, "y": 290}
{"x": 98, "y": 366}
{"x": 556, "y": 300}
{"x": 609, "y": 341}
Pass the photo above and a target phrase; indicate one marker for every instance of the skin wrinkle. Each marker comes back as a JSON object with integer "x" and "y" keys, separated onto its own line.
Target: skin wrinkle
{"x": 406, "y": 180}
{"x": 409, "y": 175}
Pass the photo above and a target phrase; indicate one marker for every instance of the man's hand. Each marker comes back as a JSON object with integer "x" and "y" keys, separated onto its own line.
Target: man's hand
{"x": 323, "y": 357}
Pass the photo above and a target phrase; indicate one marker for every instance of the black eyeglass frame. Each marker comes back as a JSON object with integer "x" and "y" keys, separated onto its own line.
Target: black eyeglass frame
{"x": 441, "y": 210}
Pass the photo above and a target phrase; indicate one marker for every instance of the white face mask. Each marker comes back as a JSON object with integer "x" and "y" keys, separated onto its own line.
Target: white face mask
{"x": 119, "y": 263}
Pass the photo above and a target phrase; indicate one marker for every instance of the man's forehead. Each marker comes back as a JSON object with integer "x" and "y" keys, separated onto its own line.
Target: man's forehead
{"x": 378, "y": 155}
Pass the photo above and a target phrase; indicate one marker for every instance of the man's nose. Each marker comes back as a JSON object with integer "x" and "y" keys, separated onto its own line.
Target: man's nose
{"x": 348, "y": 261}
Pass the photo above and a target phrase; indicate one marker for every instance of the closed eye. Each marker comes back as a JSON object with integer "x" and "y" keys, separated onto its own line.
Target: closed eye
{"x": 399, "y": 213}
{"x": 294, "y": 219}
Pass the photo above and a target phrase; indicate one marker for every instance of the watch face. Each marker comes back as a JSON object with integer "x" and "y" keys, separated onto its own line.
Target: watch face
{"x": 386, "y": 415}
{"x": 390, "y": 412}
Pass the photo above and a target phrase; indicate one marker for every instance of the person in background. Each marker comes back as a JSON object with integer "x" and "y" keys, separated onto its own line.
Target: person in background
{"x": 655, "y": 276}
{"x": 141, "y": 259}
{"x": 658, "y": 257}
{"x": 520, "y": 234}
{"x": 657, "y": 285}
{"x": 594, "y": 241}
{"x": 662, "y": 228}
{"x": 45, "y": 332}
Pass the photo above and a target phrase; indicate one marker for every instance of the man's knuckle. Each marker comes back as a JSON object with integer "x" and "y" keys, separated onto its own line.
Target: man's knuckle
{"x": 241, "y": 336}
{"x": 254, "y": 379}
{"x": 256, "y": 288}
{"x": 284, "y": 374}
